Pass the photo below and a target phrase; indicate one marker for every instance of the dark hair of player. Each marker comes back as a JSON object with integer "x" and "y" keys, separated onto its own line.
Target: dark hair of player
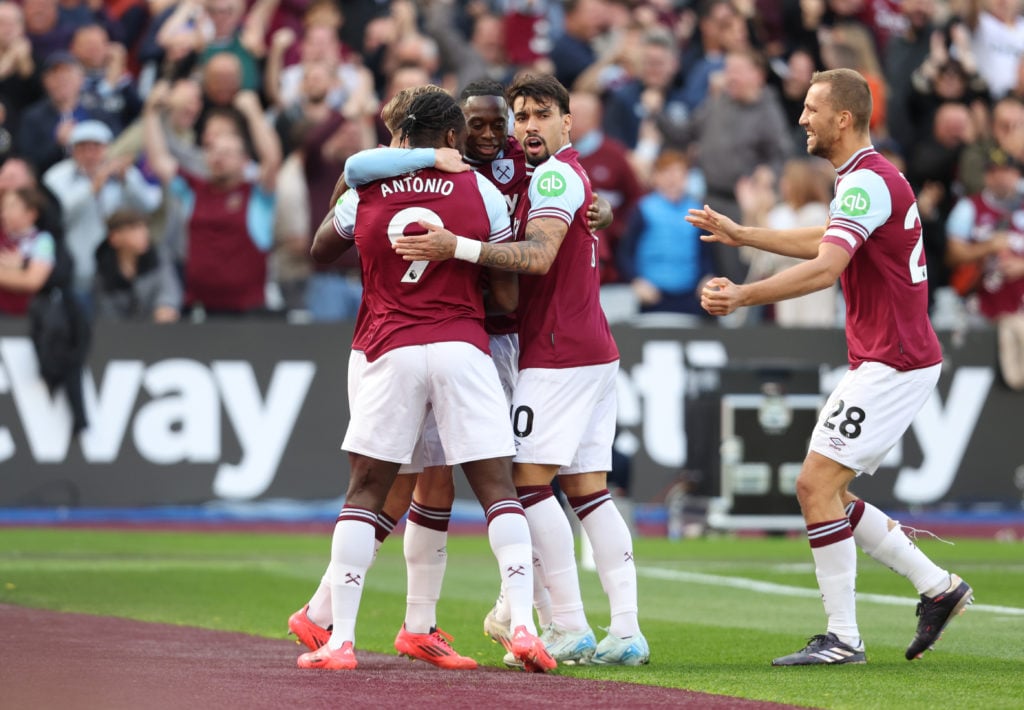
{"x": 430, "y": 118}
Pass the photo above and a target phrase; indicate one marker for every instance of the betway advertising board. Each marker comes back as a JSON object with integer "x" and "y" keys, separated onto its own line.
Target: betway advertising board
{"x": 250, "y": 410}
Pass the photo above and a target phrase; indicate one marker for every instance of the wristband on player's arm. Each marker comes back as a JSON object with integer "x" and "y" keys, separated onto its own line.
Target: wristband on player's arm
{"x": 468, "y": 249}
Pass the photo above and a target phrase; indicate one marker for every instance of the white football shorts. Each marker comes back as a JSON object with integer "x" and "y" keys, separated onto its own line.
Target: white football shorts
{"x": 505, "y": 353}
{"x": 428, "y": 451}
{"x": 392, "y": 396}
{"x": 868, "y": 413}
{"x": 566, "y": 417}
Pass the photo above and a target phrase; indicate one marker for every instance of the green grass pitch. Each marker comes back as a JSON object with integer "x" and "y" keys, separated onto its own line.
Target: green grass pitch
{"x": 714, "y": 610}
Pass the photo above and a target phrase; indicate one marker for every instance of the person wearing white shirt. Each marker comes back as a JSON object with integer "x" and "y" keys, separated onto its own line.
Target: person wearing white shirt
{"x": 90, "y": 188}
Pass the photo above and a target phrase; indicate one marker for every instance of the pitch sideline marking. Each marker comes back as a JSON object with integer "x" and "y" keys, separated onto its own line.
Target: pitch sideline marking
{"x": 753, "y": 585}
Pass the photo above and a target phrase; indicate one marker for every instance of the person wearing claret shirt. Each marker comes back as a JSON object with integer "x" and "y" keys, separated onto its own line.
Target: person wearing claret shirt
{"x": 872, "y": 242}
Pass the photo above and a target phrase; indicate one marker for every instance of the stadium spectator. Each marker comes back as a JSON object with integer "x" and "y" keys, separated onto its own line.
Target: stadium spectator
{"x": 997, "y": 32}
{"x": 217, "y": 27}
{"x": 1004, "y": 130}
{"x": 90, "y": 187}
{"x": 809, "y": 23}
{"x": 45, "y": 126}
{"x": 986, "y": 246}
{"x": 290, "y": 264}
{"x": 573, "y": 51}
{"x": 405, "y": 77}
{"x": 351, "y": 87}
{"x": 406, "y": 45}
{"x": 611, "y": 175}
{"x": 230, "y": 225}
{"x": 911, "y": 47}
{"x": 654, "y": 95}
{"x": 16, "y": 173}
{"x": 941, "y": 79}
{"x": 107, "y": 86}
{"x": 661, "y": 255}
{"x": 482, "y": 57}
{"x": 335, "y": 290}
{"x": 361, "y": 22}
{"x": 131, "y": 16}
{"x": 135, "y": 280}
{"x": 720, "y": 30}
{"x": 310, "y": 107}
{"x": 893, "y": 368}
{"x": 938, "y": 154}
{"x": 44, "y": 29}
{"x": 17, "y": 68}
{"x": 34, "y": 272}
{"x": 27, "y": 253}
{"x": 850, "y": 45}
{"x": 791, "y": 81}
{"x": 733, "y": 133}
{"x": 802, "y": 202}
{"x": 221, "y": 80}
{"x": 184, "y": 102}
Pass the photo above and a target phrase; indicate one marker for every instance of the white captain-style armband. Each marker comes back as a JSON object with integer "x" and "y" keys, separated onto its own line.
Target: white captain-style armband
{"x": 468, "y": 249}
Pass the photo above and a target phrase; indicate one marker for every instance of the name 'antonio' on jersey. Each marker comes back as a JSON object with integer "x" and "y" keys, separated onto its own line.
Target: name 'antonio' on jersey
{"x": 874, "y": 217}
{"x": 561, "y": 323}
{"x": 416, "y": 303}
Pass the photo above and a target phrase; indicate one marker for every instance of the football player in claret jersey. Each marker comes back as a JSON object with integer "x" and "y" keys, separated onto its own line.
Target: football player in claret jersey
{"x": 564, "y": 407}
{"x": 424, "y": 489}
{"x": 873, "y": 244}
{"x": 419, "y": 336}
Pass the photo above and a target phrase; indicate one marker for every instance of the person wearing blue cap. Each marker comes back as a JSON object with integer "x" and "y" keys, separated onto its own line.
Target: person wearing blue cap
{"x": 90, "y": 187}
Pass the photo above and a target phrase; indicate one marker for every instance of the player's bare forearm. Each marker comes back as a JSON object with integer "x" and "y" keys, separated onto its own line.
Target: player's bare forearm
{"x": 502, "y": 295}
{"x": 801, "y": 243}
{"x": 534, "y": 255}
{"x": 798, "y": 280}
{"x": 328, "y": 245}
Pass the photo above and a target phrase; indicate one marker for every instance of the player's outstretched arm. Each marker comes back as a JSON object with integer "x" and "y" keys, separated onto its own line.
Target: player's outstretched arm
{"x": 381, "y": 163}
{"x": 801, "y": 243}
{"x": 720, "y": 296}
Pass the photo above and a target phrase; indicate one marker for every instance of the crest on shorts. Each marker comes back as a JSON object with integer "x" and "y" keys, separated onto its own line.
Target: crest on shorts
{"x": 503, "y": 170}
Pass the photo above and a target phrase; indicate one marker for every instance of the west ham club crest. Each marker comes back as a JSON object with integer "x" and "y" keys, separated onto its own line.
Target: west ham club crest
{"x": 503, "y": 170}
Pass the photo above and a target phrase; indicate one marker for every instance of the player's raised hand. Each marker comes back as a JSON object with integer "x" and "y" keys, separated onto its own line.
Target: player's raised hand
{"x": 720, "y": 228}
{"x": 437, "y": 244}
{"x": 720, "y": 296}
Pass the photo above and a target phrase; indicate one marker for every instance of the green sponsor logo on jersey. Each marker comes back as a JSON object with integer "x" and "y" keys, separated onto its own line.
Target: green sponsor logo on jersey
{"x": 855, "y": 202}
{"x": 551, "y": 184}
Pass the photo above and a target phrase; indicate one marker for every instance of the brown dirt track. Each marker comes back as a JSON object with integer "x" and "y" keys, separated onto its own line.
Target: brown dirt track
{"x": 81, "y": 662}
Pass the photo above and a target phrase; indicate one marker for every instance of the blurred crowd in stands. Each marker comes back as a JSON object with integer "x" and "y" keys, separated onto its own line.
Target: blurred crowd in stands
{"x": 166, "y": 160}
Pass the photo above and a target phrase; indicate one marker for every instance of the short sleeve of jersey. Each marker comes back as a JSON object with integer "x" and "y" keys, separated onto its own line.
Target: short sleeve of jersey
{"x": 345, "y": 214}
{"x": 862, "y": 204}
{"x": 555, "y": 191}
{"x": 379, "y": 163}
{"x": 44, "y": 249}
{"x": 961, "y": 221}
{"x": 497, "y": 210}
